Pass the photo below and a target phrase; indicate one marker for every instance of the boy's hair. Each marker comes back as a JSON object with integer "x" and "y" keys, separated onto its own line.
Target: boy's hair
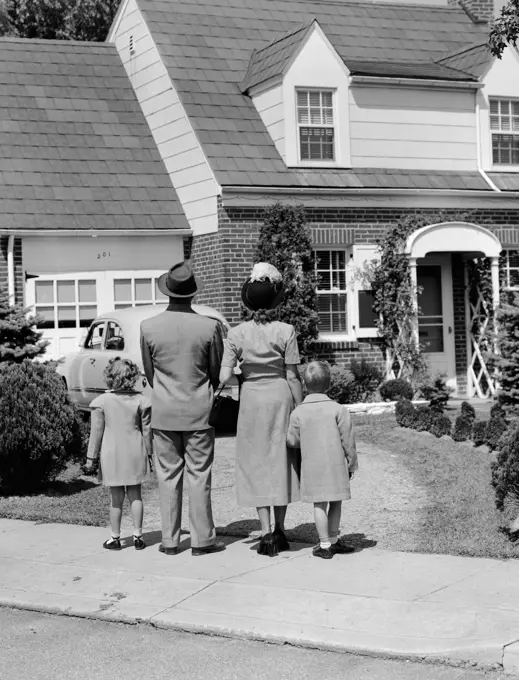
{"x": 121, "y": 374}
{"x": 317, "y": 376}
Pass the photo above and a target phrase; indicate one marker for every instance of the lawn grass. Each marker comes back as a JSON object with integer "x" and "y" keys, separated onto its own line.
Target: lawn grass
{"x": 413, "y": 493}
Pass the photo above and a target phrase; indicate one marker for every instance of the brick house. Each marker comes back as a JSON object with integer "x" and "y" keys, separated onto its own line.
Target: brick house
{"x": 363, "y": 113}
{"x": 88, "y": 216}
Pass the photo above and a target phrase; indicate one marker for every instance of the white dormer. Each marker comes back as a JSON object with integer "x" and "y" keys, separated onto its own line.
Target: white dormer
{"x": 299, "y": 86}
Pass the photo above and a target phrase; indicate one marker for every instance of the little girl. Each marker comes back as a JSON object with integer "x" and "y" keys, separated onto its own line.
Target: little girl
{"x": 322, "y": 429}
{"x": 121, "y": 430}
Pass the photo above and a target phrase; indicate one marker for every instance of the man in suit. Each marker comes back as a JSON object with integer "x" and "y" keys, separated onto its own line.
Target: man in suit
{"x": 181, "y": 353}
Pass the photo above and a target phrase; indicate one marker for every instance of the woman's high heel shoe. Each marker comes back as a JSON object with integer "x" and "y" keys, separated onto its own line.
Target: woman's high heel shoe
{"x": 268, "y": 545}
{"x": 281, "y": 540}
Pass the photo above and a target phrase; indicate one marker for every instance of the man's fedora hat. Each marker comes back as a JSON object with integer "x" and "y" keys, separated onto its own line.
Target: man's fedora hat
{"x": 260, "y": 291}
{"x": 179, "y": 282}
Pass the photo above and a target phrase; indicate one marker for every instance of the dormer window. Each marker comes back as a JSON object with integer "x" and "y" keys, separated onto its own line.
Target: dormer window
{"x": 316, "y": 125}
{"x": 504, "y": 126}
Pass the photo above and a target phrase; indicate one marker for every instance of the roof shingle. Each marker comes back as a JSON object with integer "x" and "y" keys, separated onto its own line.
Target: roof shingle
{"x": 76, "y": 151}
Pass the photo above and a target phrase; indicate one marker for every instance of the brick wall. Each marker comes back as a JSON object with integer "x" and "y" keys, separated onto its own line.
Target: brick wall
{"x": 460, "y": 329}
{"x": 480, "y": 11}
{"x": 18, "y": 269}
{"x": 225, "y": 259}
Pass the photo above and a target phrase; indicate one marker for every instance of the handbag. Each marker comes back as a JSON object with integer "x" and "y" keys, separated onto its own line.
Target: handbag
{"x": 224, "y": 413}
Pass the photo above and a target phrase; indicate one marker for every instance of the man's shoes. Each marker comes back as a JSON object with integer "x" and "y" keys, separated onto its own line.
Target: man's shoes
{"x": 323, "y": 553}
{"x": 342, "y": 548}
{"x": 216, "y": 547}
{"x": 168, "y": 551}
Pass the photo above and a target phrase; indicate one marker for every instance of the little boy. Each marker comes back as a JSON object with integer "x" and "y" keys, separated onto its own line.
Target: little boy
{"x": 322, "y": 429}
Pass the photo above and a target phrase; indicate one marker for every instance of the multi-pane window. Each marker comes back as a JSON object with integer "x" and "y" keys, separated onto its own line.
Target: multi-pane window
{"x": 66, "y": 304}
{"x": 315, "y": 122}
{"x": 137, "y": 291}
{"x": 504, "y": 126}
{"x": 330, "y": 266}
{"x": 510, "y": 268}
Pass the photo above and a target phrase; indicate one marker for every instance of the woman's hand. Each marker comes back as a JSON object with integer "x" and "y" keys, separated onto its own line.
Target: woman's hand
{"x": 226, "y": 374}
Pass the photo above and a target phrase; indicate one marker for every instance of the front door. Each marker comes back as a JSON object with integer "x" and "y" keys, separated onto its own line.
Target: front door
{"x": 436, "y": 316}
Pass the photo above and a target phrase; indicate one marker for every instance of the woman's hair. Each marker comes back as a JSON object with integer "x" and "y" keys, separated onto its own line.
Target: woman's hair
{"x": 121, "y": 375}
{"x": 317, "y": 376}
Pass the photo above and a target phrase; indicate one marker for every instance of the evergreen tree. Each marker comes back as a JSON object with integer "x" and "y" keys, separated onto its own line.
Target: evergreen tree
{"x": 19, "y": 339}
{"x": 507, "y": 361}
{"x": 285, "y": 241}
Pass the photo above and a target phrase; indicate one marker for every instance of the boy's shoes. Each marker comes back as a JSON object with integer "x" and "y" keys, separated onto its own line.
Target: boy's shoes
{"x": 216, "y": 547}
{"x": 324, "y": 553}
{"x": 168, "y": 551}
{"x": 268, "y": 545}
{"x": 342, "y": 548}
{"x": 113, "y": 544}
{"x": 138, "y": 543}
{"x": 281, "y": 540}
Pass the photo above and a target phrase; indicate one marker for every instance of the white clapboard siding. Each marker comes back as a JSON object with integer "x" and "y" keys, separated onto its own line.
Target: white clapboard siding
{"x": 270, "y": 107}
{"x": 183, "y": 157}
{"x": 413, "y": 129}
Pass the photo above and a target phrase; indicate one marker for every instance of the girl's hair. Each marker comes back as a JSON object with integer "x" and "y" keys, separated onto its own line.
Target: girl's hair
{"x": 121, "y": 374}
{"x": 317, "y": 376}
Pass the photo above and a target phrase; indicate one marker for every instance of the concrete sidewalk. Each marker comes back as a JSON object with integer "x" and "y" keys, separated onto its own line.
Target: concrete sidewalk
{"x": 453, "y": 609}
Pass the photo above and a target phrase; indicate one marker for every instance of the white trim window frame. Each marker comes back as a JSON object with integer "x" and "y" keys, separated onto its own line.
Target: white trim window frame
{"x": 504, "y": 132}
{"x": 316, "y": 127}
{"x": 511, "y": 268}
{"x": 334, "y": 293}
{"x": 137, "y": 288}
{"x": 361, "y": 255}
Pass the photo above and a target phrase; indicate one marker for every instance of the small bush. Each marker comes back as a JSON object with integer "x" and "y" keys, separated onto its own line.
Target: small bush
{"x": 404, "y": 413}
{"x": 479, "y": 429}
{"x": 468, "y": 410}
{"x": 440, "y": 425}
{"x": 496, "y": 427}
{"x": 423, "y": 420}
{"x": 462, "y": 429}
{"x": 356, "y": 384}
{"x": 505, "y": 470}
{"x": 392, "y": 390}
{"x": 40, "y": 429}
{"x": 435, "y": 391}
{"x": 497, "y": 411}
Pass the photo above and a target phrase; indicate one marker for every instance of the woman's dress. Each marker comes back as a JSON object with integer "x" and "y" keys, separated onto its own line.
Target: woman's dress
{"x": 265, "y": 468}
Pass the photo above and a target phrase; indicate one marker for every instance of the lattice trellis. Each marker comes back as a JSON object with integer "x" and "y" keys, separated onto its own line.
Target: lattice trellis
{"x": 481, "y": 378}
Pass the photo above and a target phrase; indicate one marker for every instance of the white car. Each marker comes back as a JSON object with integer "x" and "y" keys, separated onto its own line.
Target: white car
{"x": 114, "y": 334}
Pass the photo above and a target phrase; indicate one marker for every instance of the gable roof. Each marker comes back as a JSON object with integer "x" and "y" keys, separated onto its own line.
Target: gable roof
{"x": 420, "y": 71}
{"x": 206, "y": 45}
{"x": 75, "y": 149}
{"x": 272, "y": 60}
{"x": 473, "y": 59}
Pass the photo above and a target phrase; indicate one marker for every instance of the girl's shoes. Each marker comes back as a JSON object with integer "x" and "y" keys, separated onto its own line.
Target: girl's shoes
{"x": 138, "y": 543}
{"x": 324, "y": 553}
{"x": 281, "y": 540}
{"x": 268, "y": 545}
{"x": 113, "y": 543}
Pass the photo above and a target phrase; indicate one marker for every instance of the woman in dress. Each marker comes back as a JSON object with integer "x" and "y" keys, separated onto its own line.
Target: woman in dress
{"x": 268, "y": 356}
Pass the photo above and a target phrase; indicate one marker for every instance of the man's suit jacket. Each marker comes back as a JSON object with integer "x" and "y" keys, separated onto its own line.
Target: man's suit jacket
{"x": 181, "y": 352}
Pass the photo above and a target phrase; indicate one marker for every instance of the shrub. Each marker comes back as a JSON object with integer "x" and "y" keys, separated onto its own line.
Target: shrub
{"x": 423, "y": 419}
{"x": 462, "y": 429}
{"x": 285, "y": 241}
{"x": 392, "y": 390}
{"x": 440, "y": 425}
{"x": 342, "y": 385}
{"x": 496, "y": 427}
{"x": 404, "y": 412}
{"x": 479, "y": 429}
{"x": 497, "y": 411}
{"x": 505, "y": 470}
{"x": 367, "y": 378}
{"x": 19, "y": 339}
{"x": 356, "y": 384}
{"x": 436, "y": 391}
{"x": 40, "y": 429}
{"x": 507, "y": 361}
{"x": 468, "y": 410}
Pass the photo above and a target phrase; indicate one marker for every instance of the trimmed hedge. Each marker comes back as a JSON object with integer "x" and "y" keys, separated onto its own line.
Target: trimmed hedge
{"x": 496, "y": 427}
{"x": 440, "y": 425}
{"x": 404, "y": 413}
{"x": 462, "y": 429}
{"x": 479, "y": 429}
{"x": 399, "y": 388}
{"x": 468, "y": 410}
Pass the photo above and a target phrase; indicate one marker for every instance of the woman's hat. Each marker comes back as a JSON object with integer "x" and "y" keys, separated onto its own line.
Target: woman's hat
{"x": 263, "y": 289}
{"x": 179, "y": 282}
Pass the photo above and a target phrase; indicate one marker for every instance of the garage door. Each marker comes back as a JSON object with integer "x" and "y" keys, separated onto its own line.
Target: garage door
{"x": 68, "y": 303}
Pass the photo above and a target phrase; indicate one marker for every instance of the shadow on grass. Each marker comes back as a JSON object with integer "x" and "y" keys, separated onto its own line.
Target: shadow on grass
{"x": 54, "y": 489}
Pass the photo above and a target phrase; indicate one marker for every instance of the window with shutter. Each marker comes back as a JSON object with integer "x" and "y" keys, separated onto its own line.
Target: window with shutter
{"x": 504, "y": 127}
{"x": 316, "y": 125}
